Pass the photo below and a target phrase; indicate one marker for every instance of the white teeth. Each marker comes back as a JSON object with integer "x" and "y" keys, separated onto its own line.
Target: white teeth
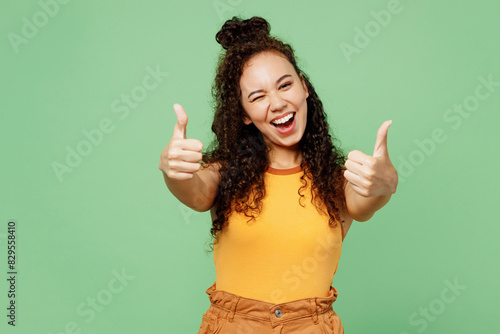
{"x": 284, "y": 119}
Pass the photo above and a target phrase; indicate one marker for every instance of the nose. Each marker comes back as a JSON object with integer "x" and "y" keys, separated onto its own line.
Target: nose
{"x": 276, "y": 102}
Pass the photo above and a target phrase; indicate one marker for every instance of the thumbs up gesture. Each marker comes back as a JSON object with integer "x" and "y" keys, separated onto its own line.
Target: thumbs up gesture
{"x": 180, "y": 159}
{"x": 375, "y": 175}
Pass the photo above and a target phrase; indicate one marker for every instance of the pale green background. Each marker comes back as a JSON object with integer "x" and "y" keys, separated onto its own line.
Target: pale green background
{"x": 114, "y": 211}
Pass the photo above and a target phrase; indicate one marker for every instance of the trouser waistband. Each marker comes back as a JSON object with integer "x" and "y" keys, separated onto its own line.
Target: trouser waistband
{"x": 276, "y": 313}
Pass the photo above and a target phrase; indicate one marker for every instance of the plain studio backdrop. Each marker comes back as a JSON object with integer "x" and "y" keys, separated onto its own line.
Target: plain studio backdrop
{"x": 102, "y": 246}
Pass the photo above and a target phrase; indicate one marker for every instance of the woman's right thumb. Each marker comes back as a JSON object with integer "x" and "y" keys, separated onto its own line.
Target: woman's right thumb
{"x": 182, "y": 120}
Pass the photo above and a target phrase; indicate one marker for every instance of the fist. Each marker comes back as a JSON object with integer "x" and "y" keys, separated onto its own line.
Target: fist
{"x": 373, "y": 175}
{"x": 180, "y": 159}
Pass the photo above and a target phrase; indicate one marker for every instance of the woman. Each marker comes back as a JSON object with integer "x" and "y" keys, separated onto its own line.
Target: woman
{"x": 282, "y": 197}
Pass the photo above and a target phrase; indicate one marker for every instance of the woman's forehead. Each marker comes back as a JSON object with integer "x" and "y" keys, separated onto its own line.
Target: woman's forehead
{"x": 264, "y": 68}
{"x": 266, "y": 59}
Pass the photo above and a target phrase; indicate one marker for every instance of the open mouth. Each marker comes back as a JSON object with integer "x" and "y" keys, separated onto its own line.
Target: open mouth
{"x": 286, "y": 124}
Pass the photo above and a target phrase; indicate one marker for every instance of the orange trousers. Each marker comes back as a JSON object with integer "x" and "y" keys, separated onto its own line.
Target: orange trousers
{"x": 232, "y": 314}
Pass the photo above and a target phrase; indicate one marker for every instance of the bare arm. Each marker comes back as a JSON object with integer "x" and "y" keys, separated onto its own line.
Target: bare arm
{"x": 370, "y": 180}
{"x": 193, "y": 184}
{"x": 198, "y": 192}
{"x": 362, "y": 208}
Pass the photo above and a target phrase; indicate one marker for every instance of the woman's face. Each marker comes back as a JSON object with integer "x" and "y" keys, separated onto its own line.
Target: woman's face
{"x": 270, "y": 90}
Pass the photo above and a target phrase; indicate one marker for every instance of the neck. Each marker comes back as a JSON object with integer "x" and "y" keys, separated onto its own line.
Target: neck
{"x": 285, "y": 157}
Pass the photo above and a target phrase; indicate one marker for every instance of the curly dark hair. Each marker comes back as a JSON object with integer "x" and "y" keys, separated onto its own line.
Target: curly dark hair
{"x": 240, "y": 149}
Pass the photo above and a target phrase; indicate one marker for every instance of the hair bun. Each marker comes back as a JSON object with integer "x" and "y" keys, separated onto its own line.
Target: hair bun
{"x": 236, "y": 31}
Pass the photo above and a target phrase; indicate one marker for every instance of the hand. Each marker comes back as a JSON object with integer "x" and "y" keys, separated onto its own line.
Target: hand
{"x": 374, "y": 175}
{"x": 180, "y": 159}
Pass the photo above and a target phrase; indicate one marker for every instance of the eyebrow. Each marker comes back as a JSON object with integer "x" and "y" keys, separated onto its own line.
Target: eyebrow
{"x": 277, "y": 82}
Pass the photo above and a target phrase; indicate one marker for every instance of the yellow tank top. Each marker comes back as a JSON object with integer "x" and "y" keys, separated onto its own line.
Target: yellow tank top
{"x": 288, "y": 252}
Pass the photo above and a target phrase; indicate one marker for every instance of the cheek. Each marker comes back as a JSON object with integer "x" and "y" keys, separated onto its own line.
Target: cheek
{"x": 258, "y": 113}
{"x": 299, "y": 96}
{"x": 301, "y": 101}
